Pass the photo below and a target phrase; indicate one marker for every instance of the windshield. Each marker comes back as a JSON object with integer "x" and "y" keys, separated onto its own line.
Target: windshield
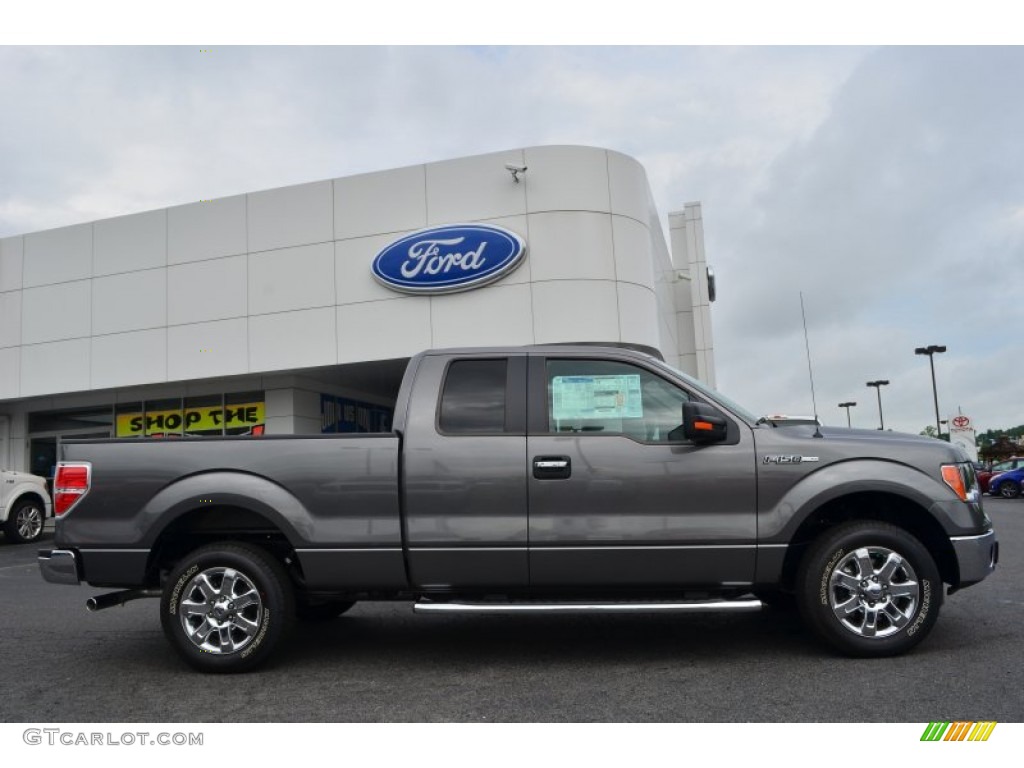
{"x": 733, "y": 406}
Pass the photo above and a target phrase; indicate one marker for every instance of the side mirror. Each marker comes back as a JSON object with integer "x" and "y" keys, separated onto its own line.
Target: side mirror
{"x": 703, "y": 423}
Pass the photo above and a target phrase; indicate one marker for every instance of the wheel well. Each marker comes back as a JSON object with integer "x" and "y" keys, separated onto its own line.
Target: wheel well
{"x": 28, "y": 496}
{"x": 209, "y": 524}
{"x": 884, "y": 507}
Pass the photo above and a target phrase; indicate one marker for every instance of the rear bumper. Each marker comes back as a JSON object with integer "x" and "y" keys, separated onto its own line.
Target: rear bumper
{"x": 98, "y": 567}
{"x": 59, "y": 566}
{"x": 976, "y": 557}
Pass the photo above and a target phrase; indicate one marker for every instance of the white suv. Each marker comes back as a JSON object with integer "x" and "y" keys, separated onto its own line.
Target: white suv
{"x": 24, "y": 506}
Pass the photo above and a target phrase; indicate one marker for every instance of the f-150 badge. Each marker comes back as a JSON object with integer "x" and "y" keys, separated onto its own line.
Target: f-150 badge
{"x": 782, "y": 459}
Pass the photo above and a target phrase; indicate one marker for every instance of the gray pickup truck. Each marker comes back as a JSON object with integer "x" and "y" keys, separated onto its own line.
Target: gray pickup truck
{"x": 546, "y": 479}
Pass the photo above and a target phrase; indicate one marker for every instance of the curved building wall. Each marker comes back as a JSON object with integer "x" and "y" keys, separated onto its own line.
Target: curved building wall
{"x": 280, "y": 279}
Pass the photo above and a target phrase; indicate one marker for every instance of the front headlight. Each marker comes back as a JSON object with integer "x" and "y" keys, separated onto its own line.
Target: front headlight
{"x": 963, "y": 480}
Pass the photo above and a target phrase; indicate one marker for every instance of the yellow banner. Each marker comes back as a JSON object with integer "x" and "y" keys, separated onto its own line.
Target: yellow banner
{"x": 173, "y": 422}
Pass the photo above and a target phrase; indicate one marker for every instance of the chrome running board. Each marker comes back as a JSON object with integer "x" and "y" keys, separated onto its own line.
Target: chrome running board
{"x": 705, "y": 606}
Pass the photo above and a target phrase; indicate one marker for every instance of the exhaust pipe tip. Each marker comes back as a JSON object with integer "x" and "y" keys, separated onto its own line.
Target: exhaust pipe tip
{"x": 109, "y": 600}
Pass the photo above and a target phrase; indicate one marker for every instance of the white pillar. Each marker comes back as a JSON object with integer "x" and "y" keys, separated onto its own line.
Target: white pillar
{"x": 693, "y": 301}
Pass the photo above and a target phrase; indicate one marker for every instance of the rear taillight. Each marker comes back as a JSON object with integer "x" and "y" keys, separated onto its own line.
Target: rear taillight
{"x": 70, "y": 485}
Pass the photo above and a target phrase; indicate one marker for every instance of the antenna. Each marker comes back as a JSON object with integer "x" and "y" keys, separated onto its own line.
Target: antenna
{"x": 810, "y": 372}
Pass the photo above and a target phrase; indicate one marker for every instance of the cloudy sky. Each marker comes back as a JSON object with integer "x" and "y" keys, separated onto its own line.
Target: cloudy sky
{"x": 885, "y": 183}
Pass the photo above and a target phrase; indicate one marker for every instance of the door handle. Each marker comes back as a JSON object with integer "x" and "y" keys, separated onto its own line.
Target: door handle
{"x": 552, "y": 467}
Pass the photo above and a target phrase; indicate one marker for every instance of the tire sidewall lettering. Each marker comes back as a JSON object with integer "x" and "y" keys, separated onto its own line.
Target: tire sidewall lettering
{"x": 172, "y": 607}
{"x": 827, "y": 574}
{"x": 258, "y": 640}
{"x": 922, "y": 614}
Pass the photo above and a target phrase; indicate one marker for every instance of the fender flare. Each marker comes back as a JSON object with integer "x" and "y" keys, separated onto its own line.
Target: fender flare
{"x": 22, "y": 490}
{"x": 779, "y": 524}
{"x": 244, "y": 490}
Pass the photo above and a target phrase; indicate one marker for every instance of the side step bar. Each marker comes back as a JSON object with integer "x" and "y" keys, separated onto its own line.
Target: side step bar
{"x": 703, "y": 606}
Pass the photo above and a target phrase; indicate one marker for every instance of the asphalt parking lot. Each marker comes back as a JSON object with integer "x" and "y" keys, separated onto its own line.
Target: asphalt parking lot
{"x": 59, "y": 663}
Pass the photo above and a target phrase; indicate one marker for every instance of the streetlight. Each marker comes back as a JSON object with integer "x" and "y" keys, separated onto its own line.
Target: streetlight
{"x": 930, "y": 351}
{"x": 878, "y": 388}
{"x": 847, "y": 406}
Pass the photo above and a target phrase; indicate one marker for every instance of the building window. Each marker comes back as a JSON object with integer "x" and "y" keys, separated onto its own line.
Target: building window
{"x": 204, "y": 416}
{"x": 241, "y": 413}
{"x": 76, "y": 419}
{"x": 163, "y": 418}
{"x": 339, "y": 415}
{"x": 244, "y": 413}
{"x": 129, "y": 420}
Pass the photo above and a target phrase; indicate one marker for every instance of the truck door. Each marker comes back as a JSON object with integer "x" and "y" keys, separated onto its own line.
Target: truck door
{"x": 615, "y": 499}
{"x": 464, "y": 474}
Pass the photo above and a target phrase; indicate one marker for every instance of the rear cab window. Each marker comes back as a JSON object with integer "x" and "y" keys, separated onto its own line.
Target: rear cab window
{"x": 477, "y": 398}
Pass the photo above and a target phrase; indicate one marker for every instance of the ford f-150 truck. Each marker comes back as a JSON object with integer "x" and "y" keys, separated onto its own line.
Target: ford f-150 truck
{"x": 548, "y": 478}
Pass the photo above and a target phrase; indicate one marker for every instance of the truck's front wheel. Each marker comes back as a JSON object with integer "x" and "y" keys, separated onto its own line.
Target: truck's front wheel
{"x": 869, "y": 589}
{"x": 226, "y": 607}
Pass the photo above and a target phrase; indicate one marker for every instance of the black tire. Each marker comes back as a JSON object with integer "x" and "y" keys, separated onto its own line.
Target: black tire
{"x": 326, "y": 610}
{"x": 25, "y": 522}
{"x": 218, "y": 625}
{"x": 1009, "y": 490}
{"x": 882, "y": 613}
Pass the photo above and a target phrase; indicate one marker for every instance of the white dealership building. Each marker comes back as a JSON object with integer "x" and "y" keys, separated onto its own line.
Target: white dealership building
{"x": 261, "y": 313}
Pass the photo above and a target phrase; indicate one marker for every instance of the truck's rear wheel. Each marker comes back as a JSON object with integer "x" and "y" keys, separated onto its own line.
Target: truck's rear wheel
{"x": 869, "y": 589}
{"x": 226, "y": 607}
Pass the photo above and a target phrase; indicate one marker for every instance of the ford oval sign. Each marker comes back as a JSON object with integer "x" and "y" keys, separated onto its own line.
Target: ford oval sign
{"x": 446, "y": 259}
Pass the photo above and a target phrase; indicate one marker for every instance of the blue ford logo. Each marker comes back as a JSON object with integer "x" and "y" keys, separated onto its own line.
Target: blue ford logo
{"x": 448, "y": 259}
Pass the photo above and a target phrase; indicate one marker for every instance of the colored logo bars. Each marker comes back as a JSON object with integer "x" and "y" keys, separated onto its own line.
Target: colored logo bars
{"x": 960, "y": 731}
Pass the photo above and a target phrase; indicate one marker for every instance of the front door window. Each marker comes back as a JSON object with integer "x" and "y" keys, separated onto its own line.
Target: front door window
{"x": 610, "y": 398}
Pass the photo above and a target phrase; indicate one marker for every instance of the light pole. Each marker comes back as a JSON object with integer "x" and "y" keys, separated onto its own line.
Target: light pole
{"x": 930, "y": 351}
{"x": 847, "y": 406}
{"x": 878, "y": 388}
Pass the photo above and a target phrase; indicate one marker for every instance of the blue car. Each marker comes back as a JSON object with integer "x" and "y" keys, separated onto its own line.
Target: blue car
{"x": 1007, "y": 484}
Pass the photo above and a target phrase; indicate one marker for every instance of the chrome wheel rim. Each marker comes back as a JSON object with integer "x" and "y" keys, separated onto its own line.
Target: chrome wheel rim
{"x": 221, "y": 610}
{"x": 29, "y": 522}
{"x": 874, "y": 592}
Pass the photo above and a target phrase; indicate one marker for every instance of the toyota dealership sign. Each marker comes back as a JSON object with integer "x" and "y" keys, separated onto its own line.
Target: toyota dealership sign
{"x": 962, "y": 434}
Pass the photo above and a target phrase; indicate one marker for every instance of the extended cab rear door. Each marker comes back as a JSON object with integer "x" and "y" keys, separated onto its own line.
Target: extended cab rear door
{"x": 615, "y": 500}
{"x": 464, "y": 474}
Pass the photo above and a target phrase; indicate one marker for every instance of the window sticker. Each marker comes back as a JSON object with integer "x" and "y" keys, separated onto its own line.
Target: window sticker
{"x": 596, "y": 397}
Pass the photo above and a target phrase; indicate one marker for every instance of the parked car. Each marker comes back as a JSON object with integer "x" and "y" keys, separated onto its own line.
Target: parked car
{"x": 1007, "y": 484}
{"x": 24, "y": 506}
{"x": 985, "y": 476}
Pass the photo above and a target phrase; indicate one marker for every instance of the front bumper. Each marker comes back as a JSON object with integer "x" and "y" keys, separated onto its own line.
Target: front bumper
{"x": 59, "y": 566}
{"x": 976, "y": 557}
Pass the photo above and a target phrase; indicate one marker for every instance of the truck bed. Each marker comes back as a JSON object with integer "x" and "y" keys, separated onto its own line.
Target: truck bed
{"x": 326, "y": 493}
